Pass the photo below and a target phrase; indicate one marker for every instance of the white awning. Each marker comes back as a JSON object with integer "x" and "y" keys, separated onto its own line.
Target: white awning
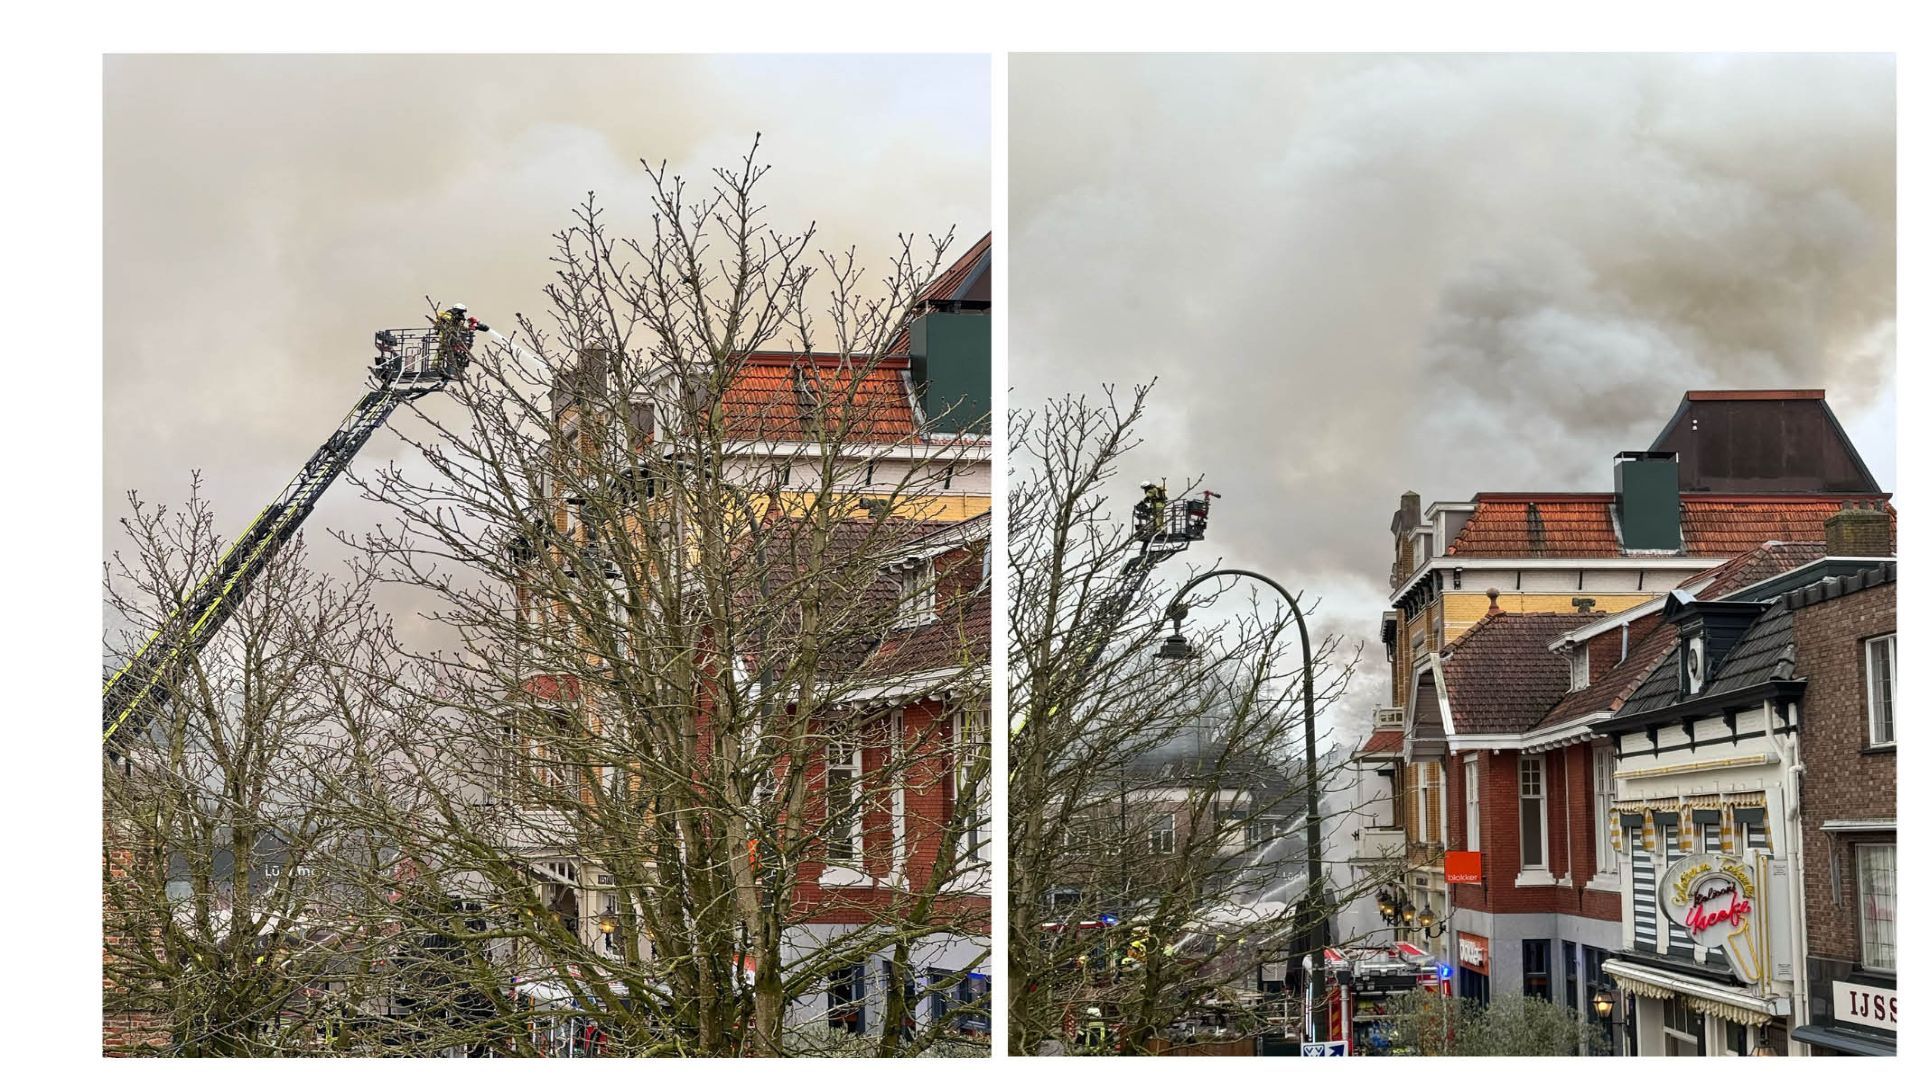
{"x": 1713, "y": 999}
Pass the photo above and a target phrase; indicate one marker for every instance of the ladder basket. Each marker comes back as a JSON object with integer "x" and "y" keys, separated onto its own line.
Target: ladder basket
{"x": 421, "y": 355}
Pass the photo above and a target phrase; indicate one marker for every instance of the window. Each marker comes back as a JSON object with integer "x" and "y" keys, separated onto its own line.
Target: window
{"x": 843, "y": 830}
{"x": 1874, "y": 864}
{"x": 1598, "y": 979}
{"x": 1735, "y": 1035}
{"x": 969, "y": 783}
{"x": 1684, "y": 1029}
{"x": 1533, "y": 813}
{"x": 1881, "y": 684}
{"x": 1471, "y": 773}
{"x": 1606, "y": 860}
{"x": 1235, "y": 835}
{"x": 1160, "y": 841}
{"x": 965, "y": 996}
{"x": 1570, "y": 973}
{"x": 1577, "y": 664}
{"x": 1536, "y": 968}
{"x": 1429, "y": 798}
{"x": 916, "y": 594}
{"x": 846, "y": 1000}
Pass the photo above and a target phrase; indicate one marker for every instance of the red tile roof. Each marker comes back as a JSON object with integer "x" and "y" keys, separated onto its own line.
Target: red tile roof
{"x": 1571, "y": 525}
{"x": 1500, "y": 675}
{"x": 774, "y": 397}
{"x": 1385, "y": 741}
{"x": 946, "y": 286}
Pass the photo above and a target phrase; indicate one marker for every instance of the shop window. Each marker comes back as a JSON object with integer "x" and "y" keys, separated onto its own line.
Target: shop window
{"x": 846, "y": 1000}
{"x": 1734, "y": 1039}
{"x": 1474, "y": 986}
{"x": 1881, "y": 686}
{"x": 1536, "y": 968}
{"x": 1874, "y": 866}
{"x": 1533, "y": 813}
{"x": 1684, "y": 1030}
{"x": 1570, "y": 973}
{"x": 1597, "y": 980}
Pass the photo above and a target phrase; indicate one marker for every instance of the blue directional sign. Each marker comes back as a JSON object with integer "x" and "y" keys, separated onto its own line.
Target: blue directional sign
{"x": 1337, "y": 1048}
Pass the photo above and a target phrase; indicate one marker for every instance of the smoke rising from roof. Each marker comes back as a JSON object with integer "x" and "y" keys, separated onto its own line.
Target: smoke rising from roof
{"x": 1360, "y": 275}
{"x": 264, "y": 214}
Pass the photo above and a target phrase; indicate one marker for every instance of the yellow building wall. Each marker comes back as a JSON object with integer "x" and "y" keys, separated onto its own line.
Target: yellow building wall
{"x": 1462, "y": 609}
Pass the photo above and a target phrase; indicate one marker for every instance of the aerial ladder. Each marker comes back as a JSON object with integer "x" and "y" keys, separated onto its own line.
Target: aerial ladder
{"x": 409, "y": 364}
{"x": 1162, "y": 528}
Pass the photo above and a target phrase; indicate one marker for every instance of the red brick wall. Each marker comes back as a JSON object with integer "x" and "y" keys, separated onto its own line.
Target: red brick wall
{"x": 1570, "y": 836}
{"x": 1843, "y": 781}
{"x": 924, "y": 731}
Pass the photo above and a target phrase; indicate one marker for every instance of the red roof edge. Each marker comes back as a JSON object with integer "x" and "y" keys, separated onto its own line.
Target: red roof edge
{"x": 776, "y": 358}
{"x": 1544, "y": 496}
{"x": 1756, "y": 395}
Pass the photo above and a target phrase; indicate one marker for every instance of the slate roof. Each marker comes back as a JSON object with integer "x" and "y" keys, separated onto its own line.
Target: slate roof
{"x": 1500, "y": 676}
{"x": 1568, "y": 525}
{"x": 1764, "y": 653}
{"x": 1610, "y": 690}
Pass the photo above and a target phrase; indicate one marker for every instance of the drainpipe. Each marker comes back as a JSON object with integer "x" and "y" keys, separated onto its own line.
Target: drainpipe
{"x": 1790, "y": 795}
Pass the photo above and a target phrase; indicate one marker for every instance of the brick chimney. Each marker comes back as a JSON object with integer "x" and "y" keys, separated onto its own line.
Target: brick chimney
{"x": 1860, "y": 529}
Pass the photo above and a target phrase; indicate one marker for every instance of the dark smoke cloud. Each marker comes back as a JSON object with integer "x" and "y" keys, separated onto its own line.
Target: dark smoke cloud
{"x": 1359, "y": 275}
{"x": 264, "y": 214}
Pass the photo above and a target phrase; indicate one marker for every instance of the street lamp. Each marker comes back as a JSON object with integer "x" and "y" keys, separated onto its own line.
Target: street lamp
{"x": 1177, "y": 648}
{"x": 1397, "y": 910}
{"x": 1603, "y": 1003}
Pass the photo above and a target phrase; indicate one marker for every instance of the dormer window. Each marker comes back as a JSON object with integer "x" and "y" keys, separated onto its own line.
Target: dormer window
{"x": 1693, "y": 664}
{"x": 1577, "y": 667}
{"x": 916, "y": 594}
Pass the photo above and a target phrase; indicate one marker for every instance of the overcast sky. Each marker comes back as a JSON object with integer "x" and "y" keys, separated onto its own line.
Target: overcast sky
{"x": 264, "y": 215}
{"x": 1359, "y": 275}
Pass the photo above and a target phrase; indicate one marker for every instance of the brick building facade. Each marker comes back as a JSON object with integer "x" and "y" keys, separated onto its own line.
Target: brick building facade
{"x": 1843, "y": 632}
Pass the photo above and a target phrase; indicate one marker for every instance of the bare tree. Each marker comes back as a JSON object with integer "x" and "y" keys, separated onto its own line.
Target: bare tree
{"x": 223, "y": 897}
{"x": 1157, "y": 880}
{"x": 707, "y": 743}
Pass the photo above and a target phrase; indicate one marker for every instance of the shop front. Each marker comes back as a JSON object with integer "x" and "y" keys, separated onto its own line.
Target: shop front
{"x": 1476, "y": 978}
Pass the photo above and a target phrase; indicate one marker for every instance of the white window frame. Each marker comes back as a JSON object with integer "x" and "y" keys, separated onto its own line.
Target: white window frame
{"x": 1539, "y": 762}
{"x": 1578, "y": 668}
{"x": 1470, "y": 779}
{"x": 844, "y": 755}
{"x": 1606, "y": 861}
{"x": 1860, "y": 903}
{"x": 1163, "y": 838}
{"x": 1423, "y": 783}
{"x": 916, "y": 595}
{"x": 1875, "y": 704}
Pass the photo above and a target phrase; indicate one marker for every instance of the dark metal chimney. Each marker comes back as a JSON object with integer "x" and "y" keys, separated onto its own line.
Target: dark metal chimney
{"x": 1646, "y": 488}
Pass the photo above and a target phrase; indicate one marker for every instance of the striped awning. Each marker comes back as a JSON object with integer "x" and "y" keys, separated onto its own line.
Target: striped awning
{"x": 1722, "y": 1002}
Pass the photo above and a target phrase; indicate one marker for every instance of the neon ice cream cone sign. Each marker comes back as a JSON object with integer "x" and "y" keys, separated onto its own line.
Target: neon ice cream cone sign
{"x": 1713, "y": 896}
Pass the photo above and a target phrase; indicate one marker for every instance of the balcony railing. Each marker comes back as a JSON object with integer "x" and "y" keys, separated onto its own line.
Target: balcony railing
{"x": 1382, "y": 842}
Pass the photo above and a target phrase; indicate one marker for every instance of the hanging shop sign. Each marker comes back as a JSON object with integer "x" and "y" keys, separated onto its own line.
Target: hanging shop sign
{"x": 1463, "y": 868}
{"x": 1714, "y": 898}
{"x": 1473, "y": 952}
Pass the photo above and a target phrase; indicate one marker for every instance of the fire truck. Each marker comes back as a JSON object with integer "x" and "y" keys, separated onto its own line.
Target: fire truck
{"x": 1363, "y": 980}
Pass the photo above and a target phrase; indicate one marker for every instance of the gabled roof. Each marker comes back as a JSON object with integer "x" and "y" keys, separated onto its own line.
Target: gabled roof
{"x": 1573, "y": 525}
{"x": 968, "y": 281}
{"x": 1501, "y": 677}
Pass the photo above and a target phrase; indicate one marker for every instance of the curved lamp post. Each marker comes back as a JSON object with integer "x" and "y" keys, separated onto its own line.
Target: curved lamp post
{"x": 1176, "y": 647}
